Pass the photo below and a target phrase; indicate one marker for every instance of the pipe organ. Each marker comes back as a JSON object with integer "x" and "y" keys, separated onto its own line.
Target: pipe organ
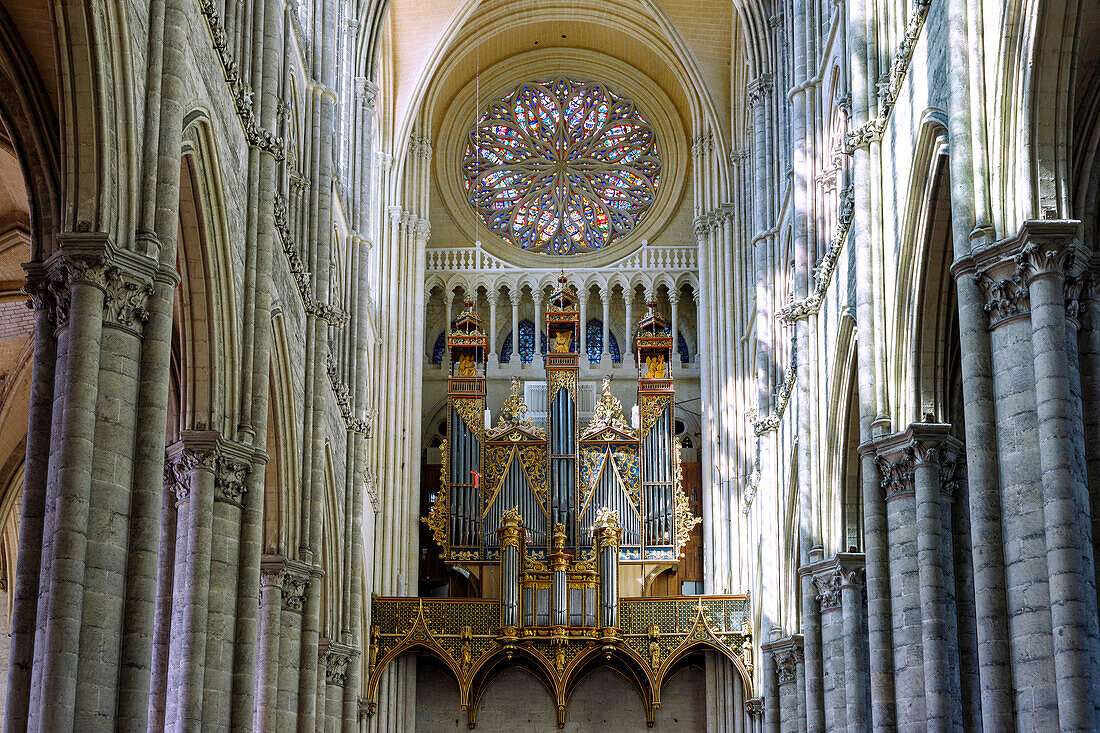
{"x": 559, "y": 478}
{"x": 563, "y": 524}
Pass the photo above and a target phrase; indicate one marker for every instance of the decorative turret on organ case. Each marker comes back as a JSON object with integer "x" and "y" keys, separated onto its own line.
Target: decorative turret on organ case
{"x": 468, "y": 345}
{"x": 659, "y": 449}
{"x": 563, "y": 336}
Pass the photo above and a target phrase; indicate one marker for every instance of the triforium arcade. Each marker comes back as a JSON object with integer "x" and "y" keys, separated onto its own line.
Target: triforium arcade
{"x": 560, "y": 525}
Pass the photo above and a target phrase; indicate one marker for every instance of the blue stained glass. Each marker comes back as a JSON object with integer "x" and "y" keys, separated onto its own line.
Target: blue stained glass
{"x": 593, "y": 341}
{"x": 682, "y": 347}
{"x": 526, "y": 344}
{"x": 439, "y": 348}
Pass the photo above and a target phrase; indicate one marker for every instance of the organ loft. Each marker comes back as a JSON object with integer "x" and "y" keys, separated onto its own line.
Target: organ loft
{"x": 560, "y": 526}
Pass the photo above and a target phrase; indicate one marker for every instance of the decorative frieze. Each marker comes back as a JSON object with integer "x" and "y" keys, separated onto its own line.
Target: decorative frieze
{"x": 771, "y": 421}
{"x": 239, "y": 90}
{"x": 826, "y": 266}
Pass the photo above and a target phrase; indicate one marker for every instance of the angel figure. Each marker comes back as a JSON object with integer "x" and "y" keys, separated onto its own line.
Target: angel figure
{"x": 466, "y": 367}
{"x": 656, "y": 366}
{"x": 561, "y": 342}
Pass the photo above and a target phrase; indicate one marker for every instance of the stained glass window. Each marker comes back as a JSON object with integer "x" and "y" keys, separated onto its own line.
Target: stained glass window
{"x": 526, "y": 344}
{"x": 438, "y": 349}
{"x": 593, "y": 341}
{"x": 562, "y": 167}
{"x": 682, "y": 347}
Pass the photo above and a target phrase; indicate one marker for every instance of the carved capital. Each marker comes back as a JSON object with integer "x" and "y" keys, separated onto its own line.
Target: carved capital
{"x": 918, "y": 445}
{"x": 125, "y": 299}
{"x": 337, "y": 658}
{"x": 828, "y": 590}
{"x": 787, "y": 659}
{"x": 180, "y": 461}
{"x": 296, "y": 580}
{"x": 758, "y": 90}
{"x": 1006, "y": 297}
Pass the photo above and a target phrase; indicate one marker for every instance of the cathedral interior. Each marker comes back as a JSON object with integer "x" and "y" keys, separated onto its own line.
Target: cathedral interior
{"x": 435, "y": 365}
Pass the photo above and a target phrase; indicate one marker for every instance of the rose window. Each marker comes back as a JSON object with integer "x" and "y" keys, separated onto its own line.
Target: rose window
{"x": 562, "y": 167}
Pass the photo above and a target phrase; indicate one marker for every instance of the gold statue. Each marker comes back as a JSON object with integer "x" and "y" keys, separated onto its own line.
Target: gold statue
{"x": 561, "y": 342}
{"x": 654, "y": 649}
{"x": 467, "y": 636}
{"x": 466, "y": 366}
{"x": 656, "y": 366}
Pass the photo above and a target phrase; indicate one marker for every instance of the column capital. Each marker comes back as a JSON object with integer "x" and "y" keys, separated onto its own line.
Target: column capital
{"x": 787, "y": 655}
{"x": 920, "y": 444}
{"x": 230, "y": 461}
{"x": 1042, "y": 248}
{"x": 758, "y": 90}
{"x": 125, "y": 277}
{"x": 831, "y": 575}
{"x": 337, "y": 657}
{"x": 537, "y": 295}
{"x": 755, "y": 706}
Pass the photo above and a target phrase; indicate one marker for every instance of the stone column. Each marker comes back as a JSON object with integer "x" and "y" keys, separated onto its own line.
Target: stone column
{"x": 895, "y": 460}
{"x": 1050, "y": 253}
{"x": 493, "y": 296}
{"x": 297, "y": 577}
{"x": 855, "y": 662}
{"x": 832, "y": 648}
{"x": 536, "y": 298}
{"x": 628, "y": 331}
{"x": 812, "y": 647}
{"x": 448, "y": 299}
{"x": 267, "y": 656}
{"x": 582, "y": 336}
{"x": 25, "y": 602}
{"x": 194, "y": 462}
{"x": 1042, "y": 476}
{"x": 234, "y": 464}
{"x": 513, "y": 296}
{"x": 1089, "y": 346}
{"x": 933, "y": 451}
{"x": 770, "y": 698}
{"x": 788, "y": 657}
{"x": 674, "y": 303}
{"x": 605, "y": 354}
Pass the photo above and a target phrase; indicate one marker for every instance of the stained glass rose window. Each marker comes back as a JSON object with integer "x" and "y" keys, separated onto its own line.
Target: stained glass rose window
{"x": 562, "y": 167}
